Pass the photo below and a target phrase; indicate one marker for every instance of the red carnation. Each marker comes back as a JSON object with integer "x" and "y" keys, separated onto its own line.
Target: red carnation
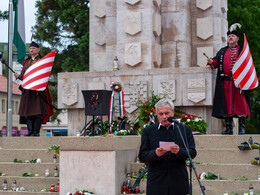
{"x": 188, "y": 116}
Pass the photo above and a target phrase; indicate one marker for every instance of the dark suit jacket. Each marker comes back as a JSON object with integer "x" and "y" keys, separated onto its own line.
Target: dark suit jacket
{"x": 167, "y": 175}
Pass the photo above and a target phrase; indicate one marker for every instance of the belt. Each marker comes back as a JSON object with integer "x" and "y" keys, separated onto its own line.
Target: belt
{"x": 227, "y": 77}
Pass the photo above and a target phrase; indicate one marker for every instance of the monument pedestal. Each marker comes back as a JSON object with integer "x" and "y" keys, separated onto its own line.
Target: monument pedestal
{"x": 97, "y": 164}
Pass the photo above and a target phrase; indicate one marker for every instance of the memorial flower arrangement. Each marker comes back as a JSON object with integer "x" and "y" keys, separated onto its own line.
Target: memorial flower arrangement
{"x": 147, "y": 112}
{"x": 194, "y": 122}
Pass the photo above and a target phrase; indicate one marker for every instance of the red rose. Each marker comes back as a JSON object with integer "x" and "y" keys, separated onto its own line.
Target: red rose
{"x": 144, "y": 104}
{"x": 182, "y": 116}
{"x": 193, "y": 116}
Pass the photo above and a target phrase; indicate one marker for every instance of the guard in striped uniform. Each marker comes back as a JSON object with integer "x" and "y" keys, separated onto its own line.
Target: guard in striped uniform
{"x": 33, "y": 110}
{"x": 229, "y": 101}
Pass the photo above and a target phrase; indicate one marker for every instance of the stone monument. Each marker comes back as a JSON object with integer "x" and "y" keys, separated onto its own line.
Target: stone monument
{"x": 159, "y": 45}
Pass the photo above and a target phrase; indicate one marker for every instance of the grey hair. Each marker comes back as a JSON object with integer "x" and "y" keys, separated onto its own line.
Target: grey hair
{"x": 164, "y": 102}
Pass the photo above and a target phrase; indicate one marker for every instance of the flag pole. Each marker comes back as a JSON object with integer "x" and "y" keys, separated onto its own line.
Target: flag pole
{"x": 9, "y": 118}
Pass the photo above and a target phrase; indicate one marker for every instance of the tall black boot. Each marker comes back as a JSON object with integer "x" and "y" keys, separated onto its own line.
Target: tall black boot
{"x": 37, "y": 125}
{"x": 242, "y": 124}
{"x": 29, "y": 122}
{"x": 229, "y": 127}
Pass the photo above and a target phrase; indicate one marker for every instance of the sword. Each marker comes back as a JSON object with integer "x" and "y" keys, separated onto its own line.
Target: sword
{"x": 208, "y": 57}
{"x": 205, "y": 55}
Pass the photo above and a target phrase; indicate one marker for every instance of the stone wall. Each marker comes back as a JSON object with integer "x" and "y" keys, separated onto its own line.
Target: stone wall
{"x": 159, "y": 45}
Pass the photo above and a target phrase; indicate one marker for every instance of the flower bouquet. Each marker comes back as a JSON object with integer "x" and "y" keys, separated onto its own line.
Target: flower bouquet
{"x": 194, "y": 122}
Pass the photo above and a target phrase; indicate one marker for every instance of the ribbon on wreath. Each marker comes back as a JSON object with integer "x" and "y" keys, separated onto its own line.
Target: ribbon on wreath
{"x": 117, "y": 88}
{"x": 151, "y": 119}
{"x": 88, "y": 125}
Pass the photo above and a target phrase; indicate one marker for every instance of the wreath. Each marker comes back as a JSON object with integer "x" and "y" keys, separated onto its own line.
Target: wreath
{"x": 87, "y": 128}
{"x": 124, "y": 131}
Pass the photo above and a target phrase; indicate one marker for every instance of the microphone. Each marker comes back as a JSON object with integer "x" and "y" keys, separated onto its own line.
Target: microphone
{"x": 171, "y": 119}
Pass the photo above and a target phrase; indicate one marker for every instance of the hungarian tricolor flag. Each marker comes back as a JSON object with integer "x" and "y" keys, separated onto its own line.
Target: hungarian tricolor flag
{"x": 244, "y": 72}
{"x": 19, "y": 30}
{"x": 37, "y": 75}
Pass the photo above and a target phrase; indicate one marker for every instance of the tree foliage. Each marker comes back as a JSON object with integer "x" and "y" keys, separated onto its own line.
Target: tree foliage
{"x": 247, "y": 13}
{"x": 64, "y": 25}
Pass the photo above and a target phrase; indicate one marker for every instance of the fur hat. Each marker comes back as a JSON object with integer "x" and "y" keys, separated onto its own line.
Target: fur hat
{"x": 33, "y": 44}
{"x": 233, "y": 29}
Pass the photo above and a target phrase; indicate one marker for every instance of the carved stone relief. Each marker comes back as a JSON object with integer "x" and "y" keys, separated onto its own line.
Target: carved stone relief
{"x": 196, "y": 90}
{"x": 100, "y": 34}
{"x": 133, "y": 22}
{"x": 133, "y": 92}
{"x": 167, "y": 88}
{"x": 133, "y": 54}
{"x": 157, "y": 55}
{"x": 69, "y": 94}
{"x": 157, "y": 3}
{"x": 201, "y": 59}
{"x": 204, "y": 4}
{"x": 157, "y": 24}
{"x": 204, "y": 27}
{"x": 99, "y": 8}
{"x": 132, "y": 2}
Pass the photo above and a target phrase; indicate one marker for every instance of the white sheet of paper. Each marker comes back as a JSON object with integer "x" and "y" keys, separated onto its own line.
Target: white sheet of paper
{"x": 166, "y": 145}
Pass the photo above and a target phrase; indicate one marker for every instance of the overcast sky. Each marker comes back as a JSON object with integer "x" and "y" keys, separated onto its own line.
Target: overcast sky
{"x": 29, "y": 10}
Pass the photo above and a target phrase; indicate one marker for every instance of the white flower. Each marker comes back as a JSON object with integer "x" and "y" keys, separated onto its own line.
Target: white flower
{"x": 178, "y": 119}
{"x": 188, "y": 120}
{"x": 196, "y": 119}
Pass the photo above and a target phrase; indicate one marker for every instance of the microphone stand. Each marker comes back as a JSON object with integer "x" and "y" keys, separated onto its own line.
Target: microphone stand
{"x": 191, "y": 163}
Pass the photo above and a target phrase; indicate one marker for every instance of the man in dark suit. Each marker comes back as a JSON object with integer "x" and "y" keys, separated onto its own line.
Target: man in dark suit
{"x": 167, "y": 174}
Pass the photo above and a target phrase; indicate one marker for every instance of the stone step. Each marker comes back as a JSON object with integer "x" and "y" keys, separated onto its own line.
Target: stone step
{"x": 225, "y": 170}
{"x": 8, "y": 155}
{"x": 77, "y": 143}
{"x": 18, "y": 169}
{"x": 27, "y": 193}
{"x": 223, "y": 141}
{"x": 29, "y": 142}
{"x": 217, "y": 187}
{"x": 229, "y": 156}
{"x": 202, "y": 141}
{"x": 30, "y": 183}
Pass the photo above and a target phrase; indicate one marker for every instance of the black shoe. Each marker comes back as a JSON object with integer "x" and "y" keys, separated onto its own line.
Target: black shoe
{"x": 242, "y": 124}
{"x": 29, "y": 123}
{"x": 227, "y": 132}
{"x": 229, "y": 127}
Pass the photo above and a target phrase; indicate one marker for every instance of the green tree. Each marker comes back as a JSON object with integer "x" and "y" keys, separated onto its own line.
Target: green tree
{"x": 247, "y": 13}
{"x": 64, "y": 25}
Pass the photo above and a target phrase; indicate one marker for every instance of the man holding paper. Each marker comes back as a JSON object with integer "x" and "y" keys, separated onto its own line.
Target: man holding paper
{"x": 164, "y": 151}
